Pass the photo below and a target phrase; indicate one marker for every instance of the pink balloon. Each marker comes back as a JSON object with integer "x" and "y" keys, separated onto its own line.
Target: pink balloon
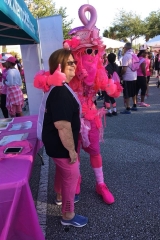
{"x": 89, "y": 24}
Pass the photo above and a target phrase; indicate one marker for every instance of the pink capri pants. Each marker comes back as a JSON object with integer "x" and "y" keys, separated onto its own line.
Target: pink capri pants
{"x": 66, "y": 178}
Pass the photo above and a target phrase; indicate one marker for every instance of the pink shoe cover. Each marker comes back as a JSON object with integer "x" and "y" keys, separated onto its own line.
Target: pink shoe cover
{"x": 142, "y": 104}
{"x": 102, "y": 190}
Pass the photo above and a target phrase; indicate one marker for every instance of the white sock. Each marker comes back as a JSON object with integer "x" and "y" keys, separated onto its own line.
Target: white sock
{"x": 114, "y": 109}
{"x": 98, "y": 174}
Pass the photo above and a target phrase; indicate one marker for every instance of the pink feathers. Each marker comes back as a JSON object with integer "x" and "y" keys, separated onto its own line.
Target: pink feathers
{"x": 40, "y": 81}
{"x": 43, "y": 80}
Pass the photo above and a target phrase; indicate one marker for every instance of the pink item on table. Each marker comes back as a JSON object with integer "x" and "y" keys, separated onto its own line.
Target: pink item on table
{"x": 18, "y": 217}
{"x": 26, "y": 145}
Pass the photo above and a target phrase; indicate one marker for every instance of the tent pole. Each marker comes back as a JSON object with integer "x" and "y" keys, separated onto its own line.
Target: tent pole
{"x": 9, "y": 25}
{"x": 3, "y": 29}
{"x": 28, "y": 39}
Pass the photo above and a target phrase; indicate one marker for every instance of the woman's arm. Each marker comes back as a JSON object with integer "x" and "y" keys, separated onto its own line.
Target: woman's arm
{"x": 66, "y": 136}
{"x": 124, "y": 69}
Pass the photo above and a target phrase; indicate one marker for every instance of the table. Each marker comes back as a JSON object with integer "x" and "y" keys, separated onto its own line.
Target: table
{"x": 18, "y": 217}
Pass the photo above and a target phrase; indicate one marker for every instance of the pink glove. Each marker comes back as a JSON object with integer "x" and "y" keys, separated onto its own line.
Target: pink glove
{"x": 57, "y": 78}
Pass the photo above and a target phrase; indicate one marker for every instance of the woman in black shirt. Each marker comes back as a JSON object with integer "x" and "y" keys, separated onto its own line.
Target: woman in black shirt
{"x": 61, "y": 127}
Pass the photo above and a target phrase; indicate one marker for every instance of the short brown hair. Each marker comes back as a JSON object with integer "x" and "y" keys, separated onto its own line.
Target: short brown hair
{"x": 60, "y": 56}
{"x": 128, "y": 45}
{"x": 10, "y": 64}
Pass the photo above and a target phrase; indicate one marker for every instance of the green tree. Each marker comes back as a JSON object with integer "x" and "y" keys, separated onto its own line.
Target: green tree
{"x": 152, "y": 25}
{"x": 43, "y": 8}
{"x": 4, "y": 49}
{"x": 66, "y": 23}
{"x": 128, "y": 25}
{"x": 113, "y": 34}
{"x": 110, "y": 33}
{"x": 13, "y": 53}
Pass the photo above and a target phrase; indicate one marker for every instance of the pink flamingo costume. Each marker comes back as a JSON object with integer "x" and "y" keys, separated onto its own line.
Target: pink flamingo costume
{"x": 87, "y": 49}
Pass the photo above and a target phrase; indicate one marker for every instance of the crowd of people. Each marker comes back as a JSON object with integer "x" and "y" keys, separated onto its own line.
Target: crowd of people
{"x": 62, "y": 122}
{"x": 66, "y": 124}
{"x": 68, "y": 118}
{"x": 135, "y": 82}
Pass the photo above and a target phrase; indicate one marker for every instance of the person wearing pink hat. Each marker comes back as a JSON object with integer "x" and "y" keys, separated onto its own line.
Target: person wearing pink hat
{"x": 3, "y": 86}
{"x": 87, "y": 48}
{"x": 13, "y": 82}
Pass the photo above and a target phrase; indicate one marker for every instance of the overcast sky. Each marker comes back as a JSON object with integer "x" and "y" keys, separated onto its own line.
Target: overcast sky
{"x": 107, "y": 10}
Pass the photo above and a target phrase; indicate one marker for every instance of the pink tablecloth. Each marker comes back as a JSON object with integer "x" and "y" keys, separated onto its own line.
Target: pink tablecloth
{"x": 18, "y": 217}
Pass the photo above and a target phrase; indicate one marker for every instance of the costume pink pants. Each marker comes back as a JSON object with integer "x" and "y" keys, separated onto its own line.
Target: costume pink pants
{"x": 94, "y": 151}
{"x": 94, "y": 148}
{"x": 66, "y": 179}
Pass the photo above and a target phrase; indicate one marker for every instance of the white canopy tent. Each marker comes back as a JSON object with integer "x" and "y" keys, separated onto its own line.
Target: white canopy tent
{"x": 110, "y": 43}
{"x": 154, "y": 42}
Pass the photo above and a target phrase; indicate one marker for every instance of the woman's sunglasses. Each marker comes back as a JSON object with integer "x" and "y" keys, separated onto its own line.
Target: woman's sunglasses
{"x": 90, "y": 51}
{"x": 70, "y": 63}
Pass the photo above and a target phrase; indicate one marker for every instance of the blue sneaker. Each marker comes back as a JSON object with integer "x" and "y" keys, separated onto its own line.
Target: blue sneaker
{"x": 77, "y": 221}
{"x": 59, "y": 202}
{"x": 126, "y": 112}
{"x": 76, "y": 198}
{"x": 134, "y": 108}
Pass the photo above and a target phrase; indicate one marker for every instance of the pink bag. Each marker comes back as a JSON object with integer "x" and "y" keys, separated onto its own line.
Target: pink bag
{"x": 115, "y": 77}
{"x": 135, "y": 63}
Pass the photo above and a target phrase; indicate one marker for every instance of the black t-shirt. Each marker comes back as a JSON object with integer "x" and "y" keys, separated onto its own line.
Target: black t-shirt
{"x": 60, "y": 105}
{"x": 111, "y": 68}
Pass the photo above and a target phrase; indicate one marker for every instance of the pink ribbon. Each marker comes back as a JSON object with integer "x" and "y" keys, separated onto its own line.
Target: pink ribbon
{"x": 85, "y": 128}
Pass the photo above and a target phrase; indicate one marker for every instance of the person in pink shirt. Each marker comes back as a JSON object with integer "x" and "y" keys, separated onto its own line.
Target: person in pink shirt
{"x": 148, "y": 70}
{"x": 141, "y": 78}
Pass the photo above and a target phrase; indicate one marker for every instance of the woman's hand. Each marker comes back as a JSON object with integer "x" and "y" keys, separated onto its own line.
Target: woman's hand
{"x": 73, "y": 156}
